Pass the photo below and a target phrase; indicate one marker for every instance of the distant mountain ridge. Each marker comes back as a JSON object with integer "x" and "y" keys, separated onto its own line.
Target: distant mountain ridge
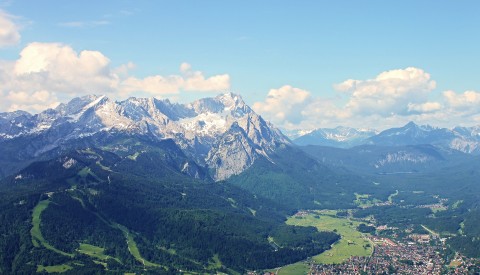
{"x": 211, "y": 131}
{"x": 336, "y": 137}
{"x": 464, "y": 139}
{"x": 377, "y": 159}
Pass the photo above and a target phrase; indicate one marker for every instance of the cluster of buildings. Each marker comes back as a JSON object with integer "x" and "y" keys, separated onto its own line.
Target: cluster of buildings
{"x": 405, "y": 259}
{"x": 464, "y": 265}
{"x": 420, "y": 238}
{"x": 435, "y": 206}
{"x": 390, "y": 257}
{"x": 411, "y": 254}
{"x": 301, "y": 213}
{"x": 382, "y": 241}
{"x": 385, "y": 227}
{"x": 383, "y": 203}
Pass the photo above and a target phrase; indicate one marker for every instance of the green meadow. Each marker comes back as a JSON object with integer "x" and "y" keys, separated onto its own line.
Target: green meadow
{"x": 37, "y": 238}
{"x": 352, "y": 242}
{"x": 53, "y": 268}
{"x": 95, "y": 252}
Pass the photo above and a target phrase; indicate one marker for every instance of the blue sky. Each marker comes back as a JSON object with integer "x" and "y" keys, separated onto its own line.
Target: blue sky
{"x": 286, "y": 58}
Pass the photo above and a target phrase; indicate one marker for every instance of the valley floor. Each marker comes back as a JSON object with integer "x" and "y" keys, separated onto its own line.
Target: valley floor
{"x": 352, "y": 242}
{"x": 363, "y": 253}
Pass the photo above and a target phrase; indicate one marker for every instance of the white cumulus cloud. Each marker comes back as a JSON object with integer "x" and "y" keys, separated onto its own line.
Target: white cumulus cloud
{"x": 466, "y": 100}
{"x": 188, "y": 80}
{"x": 283, "y": 105}
{"x": 390, "y": 92}
{"x": 46, "y": 73}
{"x": 426, "y": 107}
{"x": 37, "y": 101}
{"x": 392, "y": 98}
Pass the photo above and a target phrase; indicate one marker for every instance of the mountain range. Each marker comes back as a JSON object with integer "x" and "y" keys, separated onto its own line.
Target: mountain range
{"x": 99, "y": 186}
{"x": 219, "y": 138}
{"x": 147, "y": 185}
{"x": 222, "y": 134}
{"x": 464, "y": 139}
{"x": 341, "y": 137}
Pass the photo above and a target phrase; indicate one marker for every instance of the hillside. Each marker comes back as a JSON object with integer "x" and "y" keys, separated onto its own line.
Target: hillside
{"x": 139, "y": 212}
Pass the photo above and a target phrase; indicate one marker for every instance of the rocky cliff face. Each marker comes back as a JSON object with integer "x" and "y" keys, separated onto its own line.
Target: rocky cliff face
{"x": 233, "y": 153}
{"x": 221, "y": 133}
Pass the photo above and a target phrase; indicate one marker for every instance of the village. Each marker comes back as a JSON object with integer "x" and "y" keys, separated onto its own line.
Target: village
{"x": 395, "y": 250}
{"x": 413, "y": 255}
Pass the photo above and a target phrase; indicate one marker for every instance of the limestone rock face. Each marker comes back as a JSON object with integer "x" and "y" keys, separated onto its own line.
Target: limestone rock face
{"x": 221, "y": 133}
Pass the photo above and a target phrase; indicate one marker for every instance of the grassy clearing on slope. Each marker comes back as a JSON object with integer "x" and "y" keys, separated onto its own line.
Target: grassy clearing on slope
{"x": 352, "y": 242}
{"x": 390, "y": 198}
{"x": 106, "y": 168}
{"x": 95, "y": 251}
{"x": 105, "y": 265}
{"x": 134, "y": 156}
{"x": 35, "y": 231}
{"x": 457, "y": 204}
{"x": 37, "y": 237}
{"x": 232, "y": 202}
{"x": 364, "y": 200}
{"x": 53, "y": 268}
{"x": 215, "y": 263}
{"x": 132, "y": 247}
{"x": 82, "y": 177}
{"x": 438, "y": 209}
{"x": 86, "y": 172}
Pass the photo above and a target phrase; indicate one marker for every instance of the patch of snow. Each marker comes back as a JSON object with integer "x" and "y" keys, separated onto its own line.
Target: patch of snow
{"x": 205, "y": 123}
{"x": 7, "y": 136}
{"x": 93, "y": 103}
{"x": 185, "y": 167}
{"x": 304, "y": 132}
{"x": 69, "y": 163}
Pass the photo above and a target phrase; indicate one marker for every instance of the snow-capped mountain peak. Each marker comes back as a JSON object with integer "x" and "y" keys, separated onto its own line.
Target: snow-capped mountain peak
{"x": 339, "y": 137}
{"x": 197, "y": 128}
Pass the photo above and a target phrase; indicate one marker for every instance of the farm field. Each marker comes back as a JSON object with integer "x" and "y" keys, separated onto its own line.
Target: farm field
{"x": 352, "y": 242}
{"x": 300, "y": 268}
{"x": 364, "y": 200}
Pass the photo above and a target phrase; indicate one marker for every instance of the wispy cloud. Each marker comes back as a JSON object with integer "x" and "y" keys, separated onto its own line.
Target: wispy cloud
{"x": 6, "y": 3}
{"x": 105, "y": 19}
{"x": 9, "y": 30}
{"x": 84, "y": 24}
